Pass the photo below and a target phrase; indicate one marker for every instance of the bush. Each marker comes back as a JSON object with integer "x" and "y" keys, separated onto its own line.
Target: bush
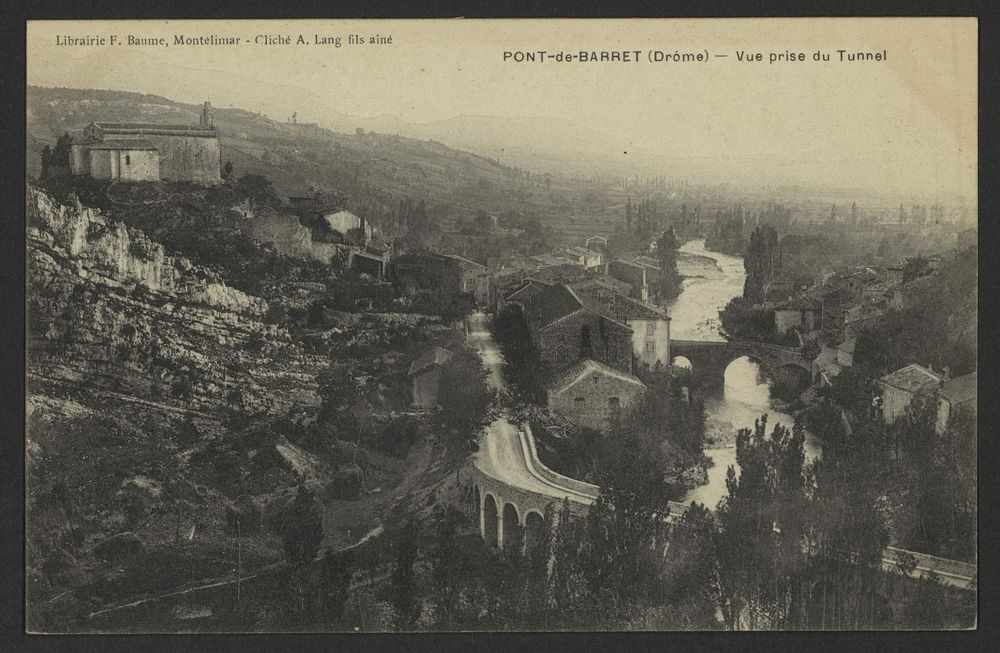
{"x": 346, "y": 484}
{"x": 120, "y": 547}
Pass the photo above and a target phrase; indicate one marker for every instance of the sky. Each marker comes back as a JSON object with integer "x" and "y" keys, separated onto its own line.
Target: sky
{"x": 904, "y": 125}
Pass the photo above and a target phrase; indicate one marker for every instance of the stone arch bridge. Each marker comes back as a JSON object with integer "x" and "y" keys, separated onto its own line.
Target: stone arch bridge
{"x": 709, "y": 360}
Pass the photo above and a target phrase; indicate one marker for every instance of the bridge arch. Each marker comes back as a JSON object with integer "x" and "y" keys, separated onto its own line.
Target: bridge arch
{"x": 511, "y": 532}
{"x": 490, "y": 521}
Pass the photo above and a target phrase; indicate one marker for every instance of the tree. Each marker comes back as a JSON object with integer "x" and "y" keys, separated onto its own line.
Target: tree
{"x": 760, "y": 260}
{"x": 524, "y": 369}
{"x": 404, "y": 585}
{"x": 336, "y": 571}
{"x": 871, "y": 352}
{"x": 465, "y": 399}
{"x": 258, "y": 190}
{"x": 761, "y": 525}
{"x": 916, "y": 267}
{"x": 625, "y": 522}
{"x": 301, "y": 528}
{"x": 445, "y": 563}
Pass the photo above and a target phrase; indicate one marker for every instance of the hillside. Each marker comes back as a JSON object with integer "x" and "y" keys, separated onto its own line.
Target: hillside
{"x": 372, "y": 172}
{"x": 163, "y": 401}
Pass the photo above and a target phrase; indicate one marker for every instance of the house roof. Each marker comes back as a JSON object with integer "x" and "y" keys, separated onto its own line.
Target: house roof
{"x": 801, "y": 303}
{"x": 553, "y": 303}
{"x": 431, "y": 358}
{"x": 123, "y": 144}
{"x": 603, "y": 282}
{"x": 561, "y": 272}
{"x": 528, "y": 283}
{"x": 618, "y": 306}
{"x": 912, "y": 378}
{"x": 584, "y": 368}
{"x": 465, "y": 263}
{"x": 648, "y": 262}
{"x": 960, "y": 389}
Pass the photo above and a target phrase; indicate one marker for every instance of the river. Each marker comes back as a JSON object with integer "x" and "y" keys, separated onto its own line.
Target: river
{"x": 712, "y": 279}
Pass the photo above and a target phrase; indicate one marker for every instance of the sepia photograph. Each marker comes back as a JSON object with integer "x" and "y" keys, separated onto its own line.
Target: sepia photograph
{"x": 518, "y": 325}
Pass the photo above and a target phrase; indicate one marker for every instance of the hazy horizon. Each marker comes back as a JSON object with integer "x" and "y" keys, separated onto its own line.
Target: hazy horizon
{"x": 903, "y": 127}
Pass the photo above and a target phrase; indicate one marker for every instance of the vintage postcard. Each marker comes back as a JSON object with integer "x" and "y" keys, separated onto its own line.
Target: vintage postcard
{"x": 501, "y": 325}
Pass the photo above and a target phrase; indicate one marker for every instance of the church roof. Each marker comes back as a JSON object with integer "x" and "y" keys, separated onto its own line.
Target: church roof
{"x": 112, "y": 128}
{"x": 123, "y": 144}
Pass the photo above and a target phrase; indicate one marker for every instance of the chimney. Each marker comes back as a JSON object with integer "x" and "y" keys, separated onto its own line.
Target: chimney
{"x": 207, "y": 121}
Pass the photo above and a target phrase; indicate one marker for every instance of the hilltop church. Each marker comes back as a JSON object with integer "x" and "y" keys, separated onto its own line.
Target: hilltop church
{"x": 149, "y": 152}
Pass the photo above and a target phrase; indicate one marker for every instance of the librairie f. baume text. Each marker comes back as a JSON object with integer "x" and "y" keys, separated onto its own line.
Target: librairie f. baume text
{"x": 677, "y": 56}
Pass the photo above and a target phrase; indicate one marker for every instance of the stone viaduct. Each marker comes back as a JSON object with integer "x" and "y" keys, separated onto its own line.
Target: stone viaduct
{"x": 512, "y": 489}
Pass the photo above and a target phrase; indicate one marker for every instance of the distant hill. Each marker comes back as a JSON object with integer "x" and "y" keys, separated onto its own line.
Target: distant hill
{"x": 374, "y": 171}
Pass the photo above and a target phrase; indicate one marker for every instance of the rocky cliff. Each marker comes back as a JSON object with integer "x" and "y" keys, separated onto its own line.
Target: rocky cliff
{"x": 109, "y": 307}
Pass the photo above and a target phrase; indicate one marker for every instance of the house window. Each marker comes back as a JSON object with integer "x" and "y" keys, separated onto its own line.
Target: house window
{"x": 579, "y": 401}
{"x": 585, "y": 347}
{"x": 650, "y": 347}
{"x": 650, "y": 328}
{"x": 128, "y": 160}
{"x": 612, "y": 355}
{"x": 614, "y": 406}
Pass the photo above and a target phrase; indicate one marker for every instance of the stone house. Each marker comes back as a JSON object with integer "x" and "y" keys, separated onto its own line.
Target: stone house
{"x": 567, "y": 328}
{"x": 425, "y": 377}
{"x": 523, "y": 291}
{"x": 650, "y": 324}
{"x": 585, "y": 258}
{"x": 956, "y": 394}
{"x": 592, "y": 394}
{"x": 804, "y": 313}
{"x": 472, "y": 278}
{"x": 427, "y": 271}
{"x": 845, "y": 352}
{"x": 148, "y": 152}
{"x": 900, "y": 387}
{"x": 634, "y": 274}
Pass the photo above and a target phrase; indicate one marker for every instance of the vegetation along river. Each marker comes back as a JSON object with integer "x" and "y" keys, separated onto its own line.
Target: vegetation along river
{"x": 712, "y": 279}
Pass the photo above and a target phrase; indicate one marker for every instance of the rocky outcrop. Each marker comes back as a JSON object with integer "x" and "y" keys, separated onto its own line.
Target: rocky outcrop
{"x": 109, "y": 307}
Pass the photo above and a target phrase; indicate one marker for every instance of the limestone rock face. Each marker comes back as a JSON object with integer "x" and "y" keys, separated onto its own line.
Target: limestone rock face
{"x": 108, "y": 307}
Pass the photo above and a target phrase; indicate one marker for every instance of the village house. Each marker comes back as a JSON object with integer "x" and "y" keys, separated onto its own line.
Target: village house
{"x": 523, "y": 292}
{"x": 472, "y": 278}
{"x": 650, "y": 324}
{"x": 862, "y": 316}
{"x": 592, "y": 394}
{"x": 900, "y": 387}
{"x": 958, "y": 394}
{"x": 588, "y": 259}
{"x": 845, "y": 352}
{"x": 149, "y": 152}
{"x": 427, "y": 271}
{"x": 803, "y": 313}
{"x": 567, "y": 327}
{"x": 634, "y": 274}
{"x": 425, "y": 377}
